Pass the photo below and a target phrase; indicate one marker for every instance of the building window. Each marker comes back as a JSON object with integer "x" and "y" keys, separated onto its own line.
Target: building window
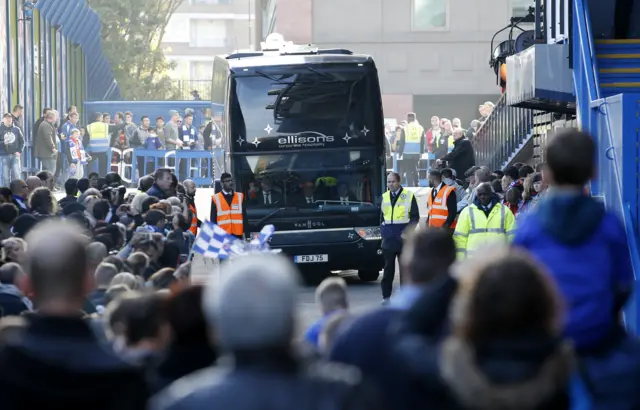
{"x": 201, "y": 70}
{"x": 208, "y": 33}
{"x": 520, "y": 8}
{"x": 430, "y": 15}
{"x": 210, "y": 2}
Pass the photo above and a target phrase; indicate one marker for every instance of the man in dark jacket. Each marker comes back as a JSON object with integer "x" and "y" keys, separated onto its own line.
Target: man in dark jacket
{"x": 162, "y": 183}
{"x": 253, "y": 312}
{"x": 11, "y": 145}
{"x": 462, "y": 157}
{"x": 58, "y": 362}
{"x": 399, "y": 210}
{"x": 34, "y": 131}
{"x": 46, "y": 143}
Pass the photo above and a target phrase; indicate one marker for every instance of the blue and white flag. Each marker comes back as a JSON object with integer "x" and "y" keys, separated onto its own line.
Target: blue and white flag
{"x": 261, "y": 242}
{"x": 215, "y": 242}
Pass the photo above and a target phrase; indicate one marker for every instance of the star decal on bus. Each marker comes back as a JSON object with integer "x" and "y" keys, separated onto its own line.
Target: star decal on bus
{"x": 346, "y": 137}
{"x": 268, "y": 129}
{"x": 240, "y": 140}
{"x": 256, "y": 142}
{"x": 364, "y": 131}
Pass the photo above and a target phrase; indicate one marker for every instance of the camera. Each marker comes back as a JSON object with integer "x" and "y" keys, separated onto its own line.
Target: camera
{"x": 114, "y": 194}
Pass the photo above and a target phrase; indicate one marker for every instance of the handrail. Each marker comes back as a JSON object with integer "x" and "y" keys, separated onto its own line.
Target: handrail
{"x": 589, "y": 104}
{"x": 501, "y": 134}
{"x": 583, "y": 46}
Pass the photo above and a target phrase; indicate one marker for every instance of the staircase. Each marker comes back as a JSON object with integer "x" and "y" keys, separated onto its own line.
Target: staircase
{"x": 607, "y": 88}
{"x": 618, "y": 63}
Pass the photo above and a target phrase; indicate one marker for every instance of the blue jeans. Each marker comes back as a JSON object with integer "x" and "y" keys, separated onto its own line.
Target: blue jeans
{"x": 11, "y": 169}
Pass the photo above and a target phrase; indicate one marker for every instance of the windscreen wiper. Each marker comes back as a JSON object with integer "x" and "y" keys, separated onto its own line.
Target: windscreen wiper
{"x": 325, "y": 75}
{"x": 265, "y": 75}
{"x": 272, "y": 214}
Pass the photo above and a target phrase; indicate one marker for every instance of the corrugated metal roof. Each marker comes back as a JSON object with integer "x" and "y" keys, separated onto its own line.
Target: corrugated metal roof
{"x": 81, "y": 25}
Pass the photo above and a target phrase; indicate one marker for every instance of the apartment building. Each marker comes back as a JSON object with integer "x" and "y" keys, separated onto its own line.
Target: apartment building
{"x": 200, "y": 29}
{"x": 432, "y": 55}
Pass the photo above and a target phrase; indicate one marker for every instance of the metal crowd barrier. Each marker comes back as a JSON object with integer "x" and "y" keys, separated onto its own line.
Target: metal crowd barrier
{"x": 199, "y": 166}
{"x": 424, "y": 182}
{"x": 133, "y": 163}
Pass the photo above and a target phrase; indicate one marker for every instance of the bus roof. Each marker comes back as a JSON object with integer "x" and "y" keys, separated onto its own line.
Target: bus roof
{"x": 262, "y": 59}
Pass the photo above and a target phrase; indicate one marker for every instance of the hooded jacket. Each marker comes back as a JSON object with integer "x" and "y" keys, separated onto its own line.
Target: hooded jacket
{"x": 585, "y": 250}
{"x": 11, "y": 140}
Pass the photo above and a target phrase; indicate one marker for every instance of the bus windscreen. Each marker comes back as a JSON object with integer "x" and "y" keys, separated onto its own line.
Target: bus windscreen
{"x": 300, "y": 107}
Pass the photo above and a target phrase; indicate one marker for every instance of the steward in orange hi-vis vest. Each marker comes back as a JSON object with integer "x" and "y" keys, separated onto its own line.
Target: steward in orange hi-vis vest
{"x": 437, "y": 207}
{"x": 229, "y": 216}
{"x": 194, "y": 219}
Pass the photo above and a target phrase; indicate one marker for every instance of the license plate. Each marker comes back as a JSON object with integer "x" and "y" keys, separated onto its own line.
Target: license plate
{"x": 311, "y": 258}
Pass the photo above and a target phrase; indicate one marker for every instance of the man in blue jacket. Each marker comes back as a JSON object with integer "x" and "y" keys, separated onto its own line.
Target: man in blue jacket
{"x": 11, "y": 145}
{"x": 583, "y": 246}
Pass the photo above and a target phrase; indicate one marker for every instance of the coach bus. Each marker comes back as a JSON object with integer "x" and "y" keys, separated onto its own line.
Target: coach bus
{"x": 303, "y": 136}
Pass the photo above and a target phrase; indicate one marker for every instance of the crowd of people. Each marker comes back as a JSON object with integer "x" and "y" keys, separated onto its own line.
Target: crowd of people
{"x": 100, "y": 310}
{"x": 446, "y": 141}
{"x": 65, "y": 147}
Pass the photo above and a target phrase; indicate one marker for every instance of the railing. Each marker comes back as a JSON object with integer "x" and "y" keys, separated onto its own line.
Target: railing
{"x": 132, "y": 163}
{"x": 617, "y": 156}
{"x": 184, "y": 88}
{"x": 502, "y": 134}
{"x": 556, "y": 20}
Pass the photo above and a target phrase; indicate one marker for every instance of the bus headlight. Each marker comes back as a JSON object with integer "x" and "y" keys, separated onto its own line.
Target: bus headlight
{"x": 369, "y": 233}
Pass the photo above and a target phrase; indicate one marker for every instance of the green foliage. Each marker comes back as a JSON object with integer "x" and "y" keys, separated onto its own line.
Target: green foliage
{"x": 131, "y": 36}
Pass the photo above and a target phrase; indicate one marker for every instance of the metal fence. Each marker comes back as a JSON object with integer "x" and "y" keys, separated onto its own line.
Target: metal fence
{"x": 184, "y": 89}
{"x": 503, "y": 133}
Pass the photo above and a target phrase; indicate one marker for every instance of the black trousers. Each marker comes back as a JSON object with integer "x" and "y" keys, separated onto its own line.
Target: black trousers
{"x": 410, "y": 166}
{"x": 389, "y": 271}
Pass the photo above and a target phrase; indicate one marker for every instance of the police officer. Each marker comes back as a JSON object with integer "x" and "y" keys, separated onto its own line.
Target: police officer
{"x": 399, "y": 209}
{"x": 228, "y": 208}
{"x": 411, "y": 147}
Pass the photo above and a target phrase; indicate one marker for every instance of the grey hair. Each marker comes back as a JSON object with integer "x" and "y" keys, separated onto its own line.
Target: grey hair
{"x": 105, "y": 272}
{"x": 127, "y": 279}
{"x": 96, "y": 252}
{"x": 136, "y": 203}
{"x": 332, "y": 295}
{"x": 175, "y": 201}
{"x": 253, "y": 306}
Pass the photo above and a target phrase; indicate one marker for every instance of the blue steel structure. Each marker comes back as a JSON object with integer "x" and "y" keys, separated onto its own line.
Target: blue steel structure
{"x": 605, "y": 102}
{"x": 51, "y": 56}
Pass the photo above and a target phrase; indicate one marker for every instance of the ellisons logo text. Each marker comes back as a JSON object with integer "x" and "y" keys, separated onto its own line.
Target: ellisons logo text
{"x": 305, "y": 141}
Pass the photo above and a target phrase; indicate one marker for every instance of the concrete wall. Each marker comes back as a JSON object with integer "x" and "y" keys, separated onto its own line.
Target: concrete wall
{"x": 447, "y": 66}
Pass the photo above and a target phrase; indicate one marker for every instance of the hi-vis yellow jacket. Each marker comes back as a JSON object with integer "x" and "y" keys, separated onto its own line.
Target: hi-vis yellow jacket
{"x": 475, "y": 230}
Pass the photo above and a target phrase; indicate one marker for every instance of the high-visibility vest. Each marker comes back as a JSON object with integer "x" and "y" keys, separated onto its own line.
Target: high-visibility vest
{"x": 194, "y": 219}
{"x": 450, "y": 144}
{"x": 398, "y": 213}
{"x": 98, "y": 136}
{"x": 437, "y": 207}
{"x": 475, "y": 229}
{"x": 229, "y": 218}
{"x": 412, "y": 134}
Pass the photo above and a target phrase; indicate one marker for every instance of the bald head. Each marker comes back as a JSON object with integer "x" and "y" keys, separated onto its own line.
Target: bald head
{"x": 57, "y": 268}
{"x": 253, "y": 307}
{"x": 189, "y": 186}
{"x": 33, "y": 182}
